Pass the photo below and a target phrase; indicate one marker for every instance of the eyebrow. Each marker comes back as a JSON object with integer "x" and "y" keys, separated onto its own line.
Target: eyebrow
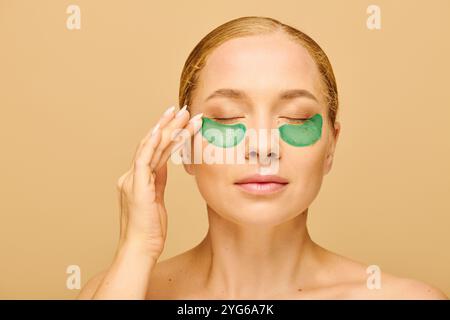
{"x": 241, "y": 95}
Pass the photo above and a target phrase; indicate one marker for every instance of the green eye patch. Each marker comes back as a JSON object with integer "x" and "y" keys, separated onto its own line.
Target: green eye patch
{"x": 229, "y": 135}
{"x": 222, "y": 135}
{"x": 301, "y": 135}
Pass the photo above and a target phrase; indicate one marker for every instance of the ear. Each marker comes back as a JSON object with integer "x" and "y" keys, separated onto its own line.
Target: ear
{"x": 332, "y": 147}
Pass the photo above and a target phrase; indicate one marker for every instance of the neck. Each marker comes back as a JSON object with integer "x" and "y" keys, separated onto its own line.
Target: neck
{"x": 247, "y": 261}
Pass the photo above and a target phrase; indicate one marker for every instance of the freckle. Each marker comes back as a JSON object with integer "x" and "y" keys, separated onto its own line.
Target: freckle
{"x": 170, "y": 279}
{"x": 299, "y": 289}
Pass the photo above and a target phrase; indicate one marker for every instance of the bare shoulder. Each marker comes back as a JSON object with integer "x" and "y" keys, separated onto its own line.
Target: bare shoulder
{"x": 166, "y": 280}
{"x": 395, "y": 287}
{"x": 356, "y": 280}
{"x": 171, "y": 277}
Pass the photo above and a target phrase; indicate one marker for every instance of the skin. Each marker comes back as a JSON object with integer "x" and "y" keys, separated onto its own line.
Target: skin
{"x": 257, "y": 246}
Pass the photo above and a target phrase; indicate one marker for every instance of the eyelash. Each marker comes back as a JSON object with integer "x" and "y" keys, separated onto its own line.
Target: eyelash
{"x": 296, "y": 119}
{"x": 228, "y": 120}
{"x": 281, "y": 117}
{"x": 234, "y": 118}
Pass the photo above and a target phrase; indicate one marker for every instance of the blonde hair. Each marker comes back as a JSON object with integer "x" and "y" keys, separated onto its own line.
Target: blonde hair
{"x": 254, "y": 25}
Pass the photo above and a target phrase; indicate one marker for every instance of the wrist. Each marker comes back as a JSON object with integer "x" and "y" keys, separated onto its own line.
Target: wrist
{"x": 136, "y": 250}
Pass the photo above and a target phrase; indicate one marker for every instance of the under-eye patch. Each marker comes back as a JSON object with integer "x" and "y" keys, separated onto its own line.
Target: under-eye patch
{"x": 222, "y": 135}
{"x": 301, "y": 135}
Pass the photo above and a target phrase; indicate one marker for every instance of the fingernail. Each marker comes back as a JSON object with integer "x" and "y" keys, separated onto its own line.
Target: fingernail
{"x": 155, "y": 128}
{"x": 197, "y": 122}
{"x": 181, "y": 112}
{"x": 169, "y": 110}
{"x": 197, "y": 116}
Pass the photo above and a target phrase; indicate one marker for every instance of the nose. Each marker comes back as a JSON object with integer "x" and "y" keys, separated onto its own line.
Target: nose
{"x": 262, "y": 145}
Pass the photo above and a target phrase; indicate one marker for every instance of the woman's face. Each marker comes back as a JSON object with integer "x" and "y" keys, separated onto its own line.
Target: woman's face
{"x": 259, "y": 69}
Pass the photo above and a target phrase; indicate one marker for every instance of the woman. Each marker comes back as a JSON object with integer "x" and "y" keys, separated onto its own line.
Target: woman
{"x": 257, "y": 73}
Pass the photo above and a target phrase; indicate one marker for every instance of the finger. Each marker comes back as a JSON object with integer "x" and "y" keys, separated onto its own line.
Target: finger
{"x": 162, "y": 122}
{"x": 178, "y": 122}
{"x": 165, "y": 118}
{"x": 142, "y": 170}
{"x": 177, "y": 142}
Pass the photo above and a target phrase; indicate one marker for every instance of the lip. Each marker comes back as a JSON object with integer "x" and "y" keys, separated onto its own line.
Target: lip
{"x": 258, "y": 178}
{"x": 262, "y": 184}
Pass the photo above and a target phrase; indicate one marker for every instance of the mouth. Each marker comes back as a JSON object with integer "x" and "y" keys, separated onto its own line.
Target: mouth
{"x": 262, "y": 184}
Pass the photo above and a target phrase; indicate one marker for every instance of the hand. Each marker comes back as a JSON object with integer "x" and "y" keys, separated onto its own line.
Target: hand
{"x": 143, "y": 221}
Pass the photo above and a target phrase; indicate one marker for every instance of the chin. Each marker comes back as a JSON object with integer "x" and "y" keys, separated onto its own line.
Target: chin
{"x": 260, "y": 214}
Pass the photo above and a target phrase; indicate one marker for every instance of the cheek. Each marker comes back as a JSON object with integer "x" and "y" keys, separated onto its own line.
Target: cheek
{"x": 211, "y": 182}
{"x": 307, "y": 161}
{"x": 303, "y": 160}
{"x": 305, "y": 166}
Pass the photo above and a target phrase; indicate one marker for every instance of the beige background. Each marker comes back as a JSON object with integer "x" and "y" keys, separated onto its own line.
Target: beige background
{"x": 74, "y": 105}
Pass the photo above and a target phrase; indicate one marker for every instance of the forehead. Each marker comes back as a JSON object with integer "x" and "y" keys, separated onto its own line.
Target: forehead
{"x": 261, "y": 65}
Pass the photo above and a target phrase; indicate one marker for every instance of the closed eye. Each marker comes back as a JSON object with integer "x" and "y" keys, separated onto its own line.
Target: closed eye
{"x": 228, "y": 120}
{"x": 295, "y": 119}
{"x": 231, "y": 118}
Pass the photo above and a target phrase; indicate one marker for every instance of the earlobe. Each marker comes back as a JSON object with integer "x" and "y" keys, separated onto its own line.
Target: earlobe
{"x": 330, "y": 155}
{"x": 328, "y": 164}
{"x": 337, "y": 130}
